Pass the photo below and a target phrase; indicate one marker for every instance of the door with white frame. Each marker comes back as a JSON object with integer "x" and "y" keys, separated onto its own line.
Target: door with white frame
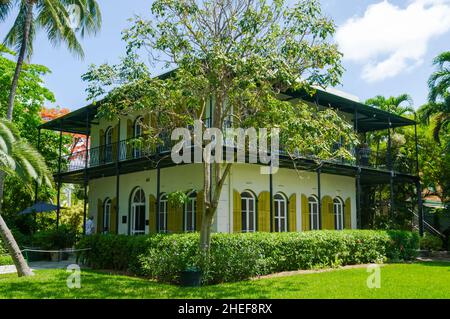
{"x": 314, "y": 215}
{"x": 138, "y": 216}
{"x": 190, "y": 208}
{"x": 162, "y": 218}
{"x": 248, "y": 206}
{"x": 280, "y": 203}
{"x": 138, "y": 132}
{"x": 107, "y": 216}
{"x": 108, "y": 145}
{"x": 338, "y": 209}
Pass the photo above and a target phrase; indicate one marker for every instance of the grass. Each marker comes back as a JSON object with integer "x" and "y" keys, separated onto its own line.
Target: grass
{"x": 418, "y": 280}
{"x": 5, "y": 260}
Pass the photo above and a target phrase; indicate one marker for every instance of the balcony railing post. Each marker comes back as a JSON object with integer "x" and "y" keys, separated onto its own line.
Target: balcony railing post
{"x": 58, "y": 196}
{"x": 86, "y": 180}
{"x": 117, "y": 178}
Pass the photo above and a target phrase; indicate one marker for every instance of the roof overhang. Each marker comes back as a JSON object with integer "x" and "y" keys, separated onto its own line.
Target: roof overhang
{"x": 368, "y": 118}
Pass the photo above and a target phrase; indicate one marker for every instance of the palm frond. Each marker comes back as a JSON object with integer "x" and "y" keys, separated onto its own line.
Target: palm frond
{"x": 14, "y": 38}
{"x": 19, "y": 158}
{"x": 5, "y": 8}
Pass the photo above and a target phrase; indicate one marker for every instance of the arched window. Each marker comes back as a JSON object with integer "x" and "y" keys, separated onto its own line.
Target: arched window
{"x": 338, "y": 209}
{"x": 248, "y": 207}
{"x": 190, "y": 208}
{"x": 314, "y": 217}
{"x": 138, "y": 212}
{"x": 162, "y": 218}
{"x": 280, "y": 204}
{"x": 138, "y": 130}
{"x": 108, "y": 144}
{"x": 107, "y": 215}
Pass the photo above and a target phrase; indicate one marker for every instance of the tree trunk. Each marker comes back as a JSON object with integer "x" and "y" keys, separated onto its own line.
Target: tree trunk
{"x": 7, "y": 237}
{"x": 10, "y": 242}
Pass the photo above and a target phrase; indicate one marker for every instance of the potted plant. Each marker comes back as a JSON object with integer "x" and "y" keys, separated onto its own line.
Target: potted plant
{"x": 191, "y": 277}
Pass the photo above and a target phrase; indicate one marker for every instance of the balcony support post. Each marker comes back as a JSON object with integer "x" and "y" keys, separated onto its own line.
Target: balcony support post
{"x": 158, "y": 195}
{"x": 418, "y": 184}
{"x": 319, "y": 195}
{"x": 118, "y": 178}
{"x": 271, "y": 196}
{"x": 58, "y": 196}
{"x": 391, "y": 169}
{"x": 86, "y": 177}
{"x": 358, "y": 199}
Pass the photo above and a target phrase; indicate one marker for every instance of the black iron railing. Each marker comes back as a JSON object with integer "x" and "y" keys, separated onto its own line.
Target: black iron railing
{"x": 137, "y": 148}
{"x": 130, "y": 149}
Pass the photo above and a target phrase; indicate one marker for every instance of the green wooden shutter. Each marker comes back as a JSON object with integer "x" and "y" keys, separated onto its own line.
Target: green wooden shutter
{"x": 264, "y": 212}
{"x": 129, "y": 136}
{"x": 152, "y": 213}
{"x": 99, "y": 216}
{"x": 292, "y": 215}
{"x": 114, "y": 216}
{"x": 327, "y": 216}
{"x": 348, "y": 214}
{"x": 200, "y": 204}
{"x": 237, "y": 212}
{"x": 101, "y": 149}
{"x": 305, "y": 213}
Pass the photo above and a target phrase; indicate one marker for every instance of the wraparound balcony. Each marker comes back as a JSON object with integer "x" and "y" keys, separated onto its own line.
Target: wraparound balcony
{"x": 128, "y": 150}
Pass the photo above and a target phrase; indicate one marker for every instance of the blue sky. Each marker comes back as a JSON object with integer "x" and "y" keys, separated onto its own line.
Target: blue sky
{"x": 388, "y": 46}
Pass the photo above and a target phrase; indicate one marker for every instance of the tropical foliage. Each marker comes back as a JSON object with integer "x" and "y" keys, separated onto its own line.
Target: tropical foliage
{"x": 438, "y": 107}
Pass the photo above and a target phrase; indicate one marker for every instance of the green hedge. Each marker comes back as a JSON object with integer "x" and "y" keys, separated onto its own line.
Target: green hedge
{"x": 236, "y": 257}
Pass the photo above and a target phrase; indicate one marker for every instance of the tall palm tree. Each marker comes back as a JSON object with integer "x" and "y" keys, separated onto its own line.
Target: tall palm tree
{"x": 53, "y": 16}
{"x": 20, "y": 159}
{"x": 56, "y": 18}
{"x": 438, "y": 105}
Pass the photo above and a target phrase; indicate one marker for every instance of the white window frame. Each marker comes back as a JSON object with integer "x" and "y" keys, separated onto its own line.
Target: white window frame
{"x": 278, "y": 200}
{"x": 107, "y": 216}
{"x": 134, "y": 206}
{"x": 137, "y": 132}
{"x": 338, "y": 211}
{"x": 192, "y": 199}
{"x": 163, "y": 202}
{"x": 314, "y": 214}
{"x": 246, "y": 213}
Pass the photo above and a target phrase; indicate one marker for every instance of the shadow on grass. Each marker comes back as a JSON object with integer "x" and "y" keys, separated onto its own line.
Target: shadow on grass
{"x": 53, "y": 284}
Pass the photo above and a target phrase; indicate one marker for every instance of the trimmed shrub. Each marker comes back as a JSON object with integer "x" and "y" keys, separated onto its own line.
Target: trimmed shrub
{"x": 431, "y": 243}
{"x": 235, "y": 257}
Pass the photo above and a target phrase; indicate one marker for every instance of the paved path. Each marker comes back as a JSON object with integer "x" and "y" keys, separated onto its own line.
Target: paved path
{"x": 39, "y": 265}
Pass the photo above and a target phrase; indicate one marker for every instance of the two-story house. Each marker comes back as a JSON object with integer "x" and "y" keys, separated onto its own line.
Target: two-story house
{"x": 127, "y": 185}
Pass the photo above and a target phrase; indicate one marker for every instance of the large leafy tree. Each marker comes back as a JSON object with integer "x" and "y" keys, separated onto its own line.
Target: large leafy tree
{"x": 20, "y": 159}
{"x": 54, "y": 17}
{"x": 243, "y": 55}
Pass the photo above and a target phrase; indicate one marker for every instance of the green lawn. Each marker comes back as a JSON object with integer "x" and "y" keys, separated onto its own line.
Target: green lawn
{"x": 419, "y": 280}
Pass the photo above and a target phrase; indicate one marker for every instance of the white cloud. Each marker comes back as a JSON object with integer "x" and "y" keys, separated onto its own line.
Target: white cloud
{"x": 388, "y": 40}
